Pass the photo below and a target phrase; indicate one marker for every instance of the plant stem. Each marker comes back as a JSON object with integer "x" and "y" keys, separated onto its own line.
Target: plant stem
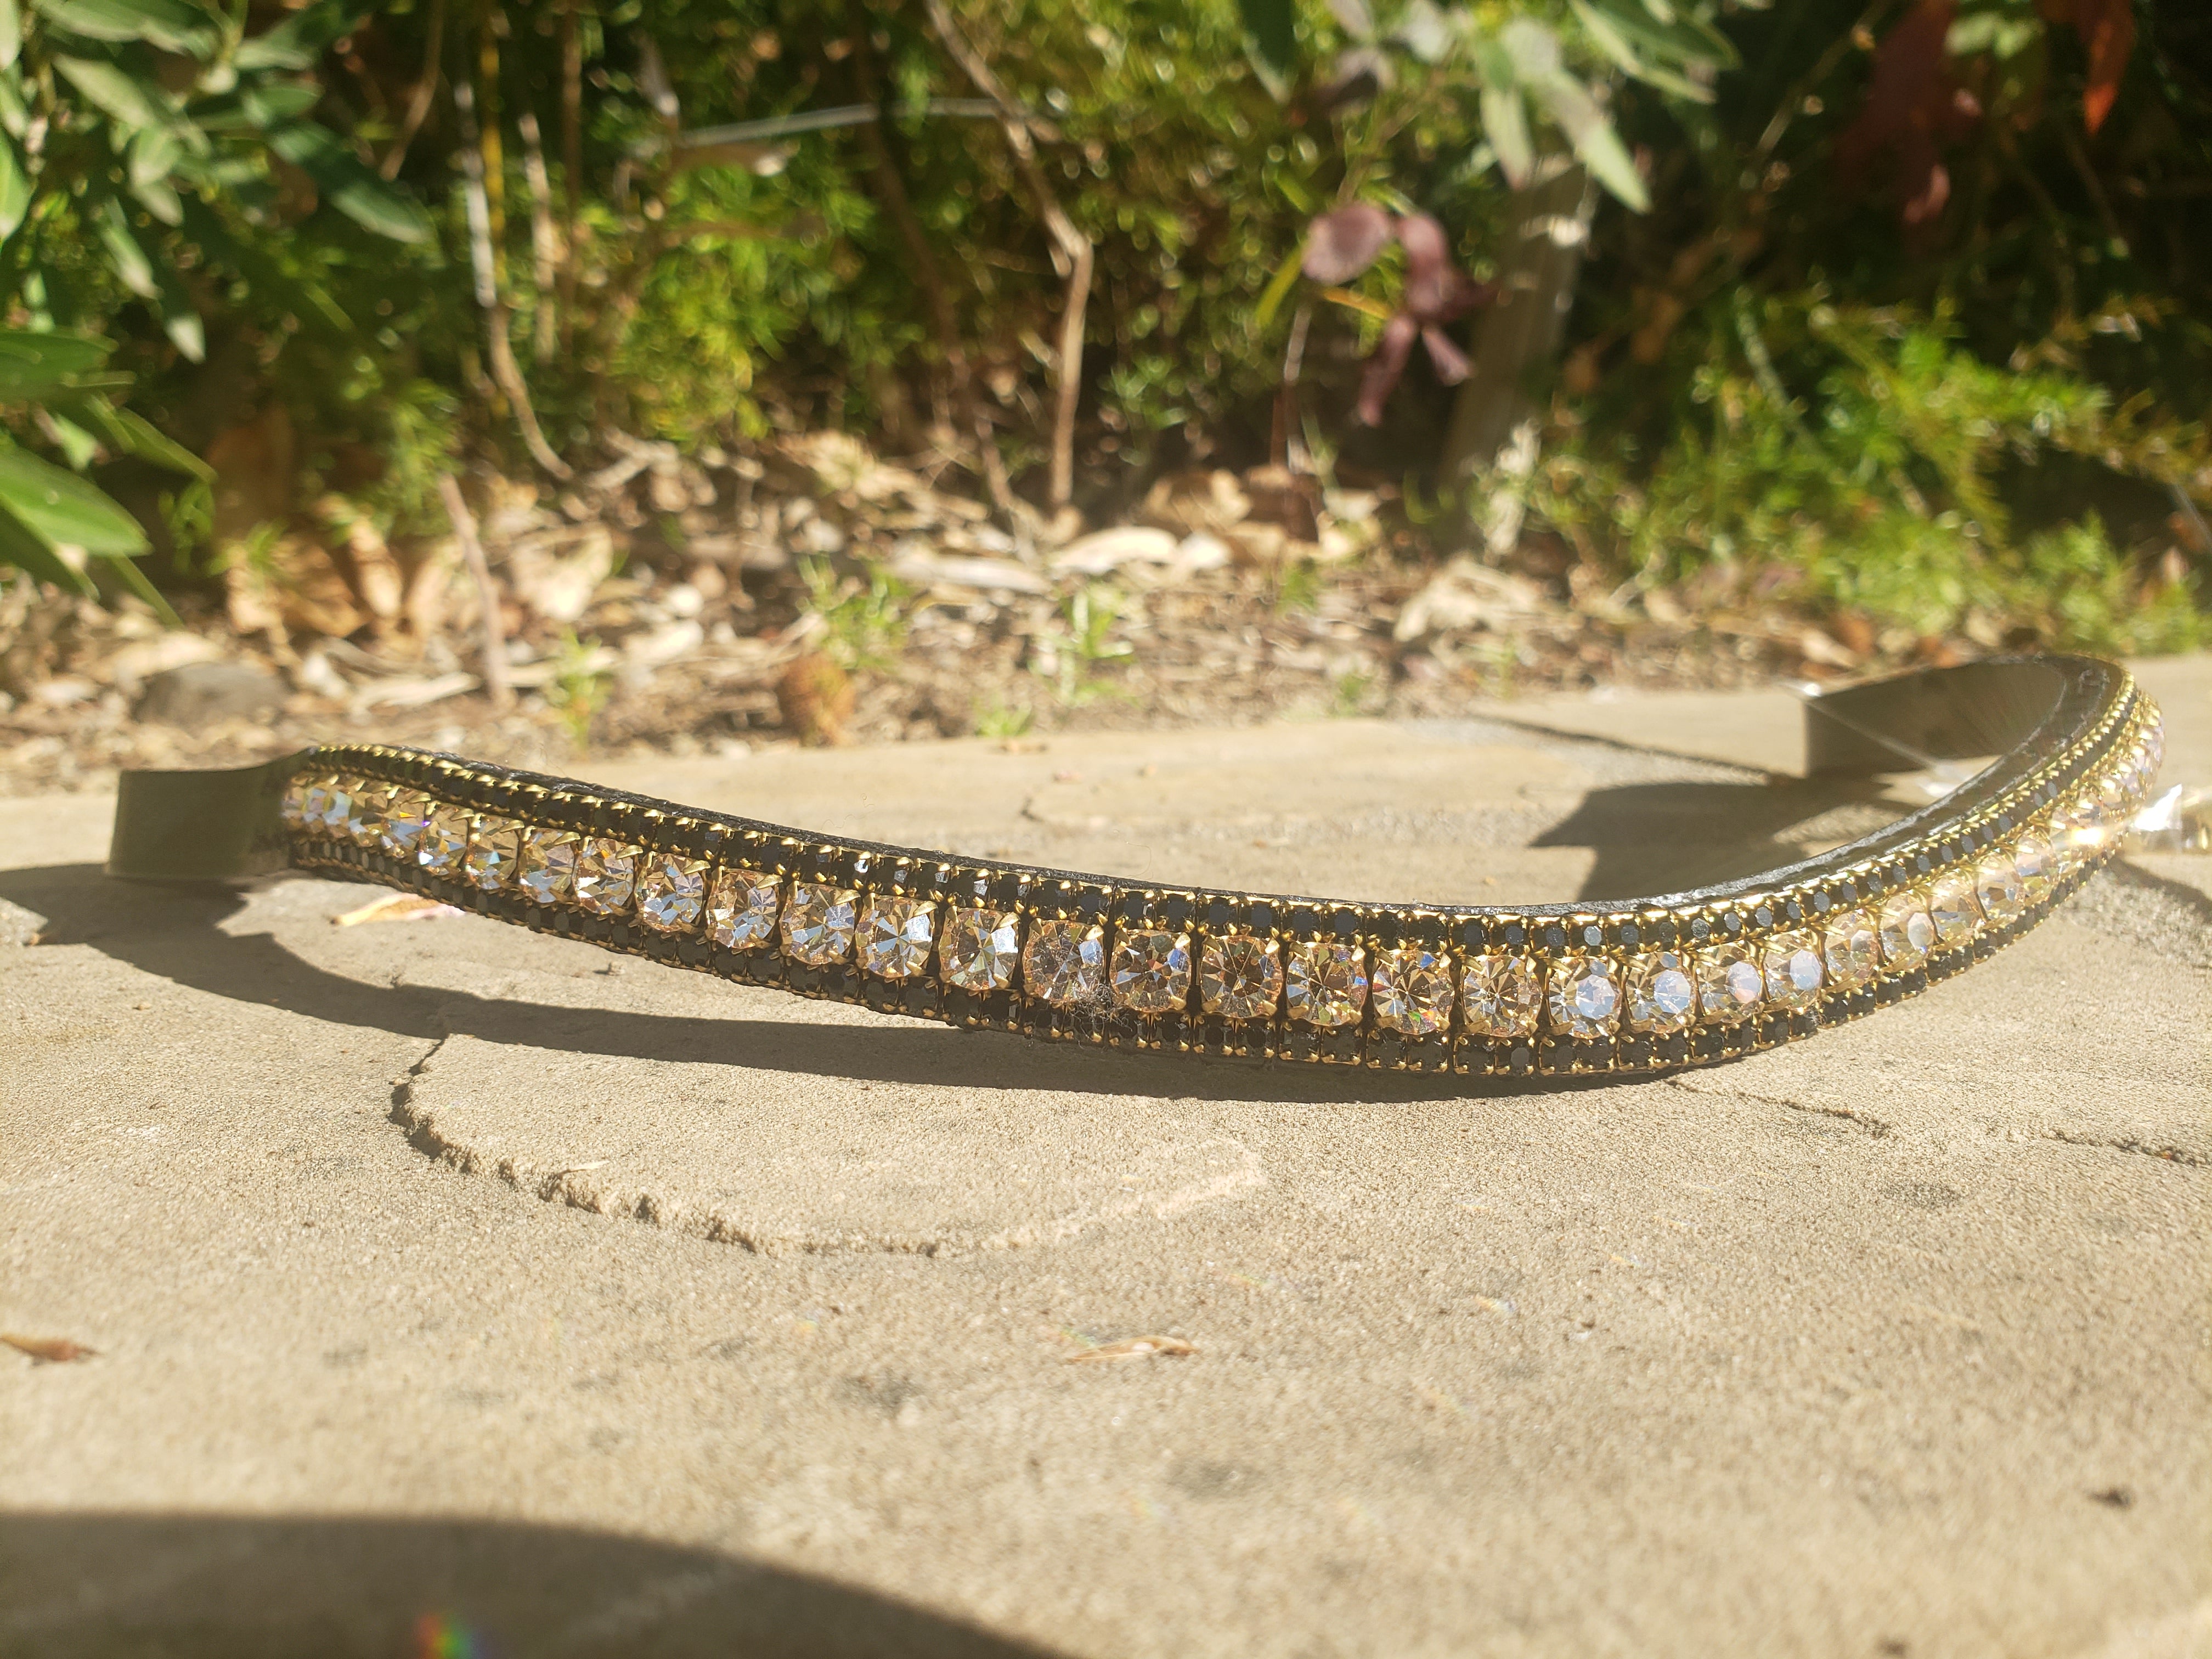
{"x": 472, "y": 554}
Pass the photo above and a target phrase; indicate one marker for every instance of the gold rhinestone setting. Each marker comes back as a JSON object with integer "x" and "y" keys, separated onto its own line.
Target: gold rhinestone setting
{"x": 1486, "y": 991}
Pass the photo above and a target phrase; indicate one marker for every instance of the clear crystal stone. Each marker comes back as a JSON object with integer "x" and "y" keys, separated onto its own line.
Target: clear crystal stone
{"x": 1240, "y": 977}
{"x": 1952, "y": 906}
{"x": 444, "y": 839}
{"x": 1731, "y": 984}
{"x": 1794, "y": 969}
{"x": 605, "y": 875}
{"x": 315, "y": 806}
{"x": 406, "y": 816}
{"x": 897, "y": 935}
{"x": 1854, "y": 948}
{"x": 1325, "y": 984}
{"x": 741, "y": 908}
{"x": 1907, "y": 934}
{"x": 819, "y": 923}
{"x": 546, "y": 870}
{"x": 1501, "y": 996}
{"x": 1583, "y": 997}
{"x": 1413, "y": 990}
{"x": 2032, "y": 865}
{"x": 294, "y": 810}
{"x": 1662, "y": 995}
{"x": 1998, "y": 889}
{"x": 1151, "y": 970}
{"x": 363, "y": 820}
{"x": 671, "y": 892}
{"x": 980, "y": 950}
{"x": 1064, "y": 962}
{"x": 493, "y": 853}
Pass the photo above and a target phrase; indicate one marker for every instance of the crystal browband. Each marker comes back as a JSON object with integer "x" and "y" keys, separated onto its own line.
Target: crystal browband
{"x": 1617, "y": 987}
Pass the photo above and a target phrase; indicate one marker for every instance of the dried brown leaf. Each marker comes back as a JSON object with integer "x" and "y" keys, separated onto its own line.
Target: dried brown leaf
{"x": 48, "y": 1350}
{"x": 1133, "y": 1347}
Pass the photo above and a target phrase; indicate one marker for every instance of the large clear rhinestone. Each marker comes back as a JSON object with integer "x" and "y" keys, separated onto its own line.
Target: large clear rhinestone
{"x": 1907, "y": 934}
{"x": 741, "y": 908}
{"x": 1583, "y": 997}
{"x": 1501, "y": 996}
{"x": 1998, "y": 889}
{"x": 1794, "y": 969}
{"x": 1064, "y": 962}
{"x": 671, "y": 892}
{"x": 1853, "y": 948}
{"x": 897, "y": 935}
{"x": 2031, "y": 867}
{"x": 1662, "y": 995}
{"x": 547, "y": 868}
{"x": 979, "y": 950}
{"x": 294, "y": 810}
{"x": 1413, "y": 990}
{"x": 315, "y": 805}
{"x": 606, "y": 875}
{"x": 493, "y": 852}
{"x": 363, "y": 819}
{"x": 406, "y": 816}
{"x": 1152, "y": 970}
{"x": 1326, "y": 984}
{"x": 1952, "y": 906}
{"x": 1240, "y": 977}
{"x": 819, "y": 923}
{"x": 1730, "y": 983}
{"x": 444, "y": 839}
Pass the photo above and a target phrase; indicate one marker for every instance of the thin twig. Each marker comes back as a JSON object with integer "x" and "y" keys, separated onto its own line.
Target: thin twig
{"x": 472, "y": 554}
{"x": 418, "y": 102}
{"x": 545, "y": 240}
{"x": 504, "y": 373}
{"x": 572, "y": 163}
{"x": 1072, "y": 250}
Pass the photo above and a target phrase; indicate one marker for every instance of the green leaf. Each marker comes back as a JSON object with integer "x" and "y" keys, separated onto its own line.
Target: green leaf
{"x": 155, "y": 153}
{"x": 172, "y": 25}
{"x": 268, "y": 106}
{"x": 180, "y": 319}
{"x": 1675, "y": 40}
{"x": 1277, "y": 289}
{"x": 137, "y": 580}
{"x": 1596, "y": 145}
{"x": 299, "y": 42}
{"x": 15, "y": 118}
{"x": 24, "y": 548}
{"x": 61, "y": 507}
{"x": 307, "y": 300}
{"x": 114, "y": 94}
{"x": 158, "y": 198}
{"x": 78, "y": 446}
{"x": 347, "y": 185}
{"x": 1505, "y": 123}
{"x": 11, "y": 33}
{"x": 35, "y": 365}
{"x": 133, "y": 268}
{"x": 14, "y": 190}
{"x": 133, "y": 434}
{"x": 1272, "y": 41}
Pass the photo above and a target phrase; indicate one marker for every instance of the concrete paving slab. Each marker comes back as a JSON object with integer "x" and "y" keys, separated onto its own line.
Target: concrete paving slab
{"x": 449, "y": 1283}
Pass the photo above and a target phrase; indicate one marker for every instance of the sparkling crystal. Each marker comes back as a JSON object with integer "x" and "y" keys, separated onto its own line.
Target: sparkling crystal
{"x": 897, "y": 935}
{"x": 819, "y": 923}
{"x": 1064, "y": 962}
{"x": 1414, "y": 990}
{"x": 1582, "y": 998}
{"x": 315, "y": 806}
{"x": 979, "y": 950}
{"x": 1952, "y": 908}
{"x": 1151, "y": 970}
{"x": 1730, "y": 983}
{"x": 1998, "y": 889}
{"x": 605, "y": 875}
{"x": 406, "y": 816}
{"x": 2032, "y": 866}
{"x": 294, "y": 808}
{"x": 1326, "y": 984}
{"x": 741, "y": 908}
{"x": 1907, "y": 934}
{"x": 490, "y": 860}
{"x": 1662, "y": 996}
{"x": 362, "y": 822}
{"x": 1794, "y": 969}
{"x": 1240, "y": 977}
{"x": 1853, "y": 948}
{"x": 547, "y": 868}
{"x": 1501, "y": 996}
{"x": 671, "y": 892}
{"x": 444, "y": 839}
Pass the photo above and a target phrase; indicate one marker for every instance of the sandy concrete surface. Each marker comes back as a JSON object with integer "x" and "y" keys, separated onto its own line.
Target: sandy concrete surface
{"x": 449, "y": 1285}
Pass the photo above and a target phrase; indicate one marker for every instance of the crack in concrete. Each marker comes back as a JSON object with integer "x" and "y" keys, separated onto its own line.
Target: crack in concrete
{"x": 1872, "y": 1127}
{"x": 2141, "y": 1148}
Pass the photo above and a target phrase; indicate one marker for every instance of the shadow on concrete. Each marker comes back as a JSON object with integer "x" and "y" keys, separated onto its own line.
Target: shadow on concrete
{"x": 108, "y": 1586}
{"x": 175, "y": 934}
